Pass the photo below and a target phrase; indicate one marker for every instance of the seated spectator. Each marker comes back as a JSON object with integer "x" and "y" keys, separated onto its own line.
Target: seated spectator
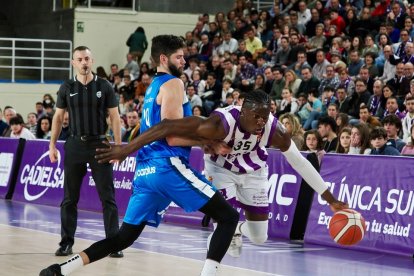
{"x": 292, "y": 125}
{"x": 18, "y": 129}
{"x": 100, "y": 72}
{"x": 8, "y": 113}
{"x": 193, "y": 97}
{"x": 212, "y": 96}
{"x": 361, "y": 96}
{"x": 278, "y": 85}
{"x": 393, "y": 126}
{"x": 327, "y": 130}
{"x": 314, "y": 143}
{"x": 288, "y": 103}
{"x": 342, "y": 100}
{"x": 408, "y": 149}
{"x": 392, "y": 108}
{"x": 142, "y": 85}
{"x": 379, "y": 143}
{"x": 408, "y": 120}
{"x": 292, "y": 81}
{"x": 133, "y": 126}
{"x": 331, "y": 79}
{"x": 199, "y": 84}
{"x": 31, "y": 122}
{"x": 374, "y": 102}
{"x": 360, "y": 143}
{"x": 227, "y": 89}
{"x": 342, "y": 121}
{"x": 44, "y": 125}
{"x": 308, "y": 81}
{"x": 39, "y": 109}
{"x": 315, "y": 109}
{"x": 128, "y": 89}
{"x": 366, "y": 118}
{"x": 303, "y": 111}
{"x": 198, "y": 110}
{"x": 132, "y": 67}
{"x": 65, "y": 133}
{"x": 344, "y": 141}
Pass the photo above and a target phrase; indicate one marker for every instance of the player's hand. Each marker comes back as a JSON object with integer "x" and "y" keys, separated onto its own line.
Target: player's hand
{"x": 338, "y": 205}
{"x": 53, "y": 154}
{"x": 217, "y": 148}
{"x": 110, "y": 153}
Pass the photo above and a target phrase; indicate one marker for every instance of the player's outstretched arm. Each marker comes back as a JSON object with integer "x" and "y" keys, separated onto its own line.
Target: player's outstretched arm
{"x": 193, "y": 128}
{"x": 282, "y": 140}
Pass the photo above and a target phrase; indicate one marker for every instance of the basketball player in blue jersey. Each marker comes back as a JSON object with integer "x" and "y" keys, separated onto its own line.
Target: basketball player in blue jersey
{"x": 162, "y": 172}
{"x": 238, "y": 164}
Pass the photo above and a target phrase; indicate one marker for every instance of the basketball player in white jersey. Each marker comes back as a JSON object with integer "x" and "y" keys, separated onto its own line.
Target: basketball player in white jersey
{"x": 238, "y": 137}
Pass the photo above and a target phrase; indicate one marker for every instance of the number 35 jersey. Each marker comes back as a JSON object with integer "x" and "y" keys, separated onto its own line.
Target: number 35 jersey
{"x": 248, "y": 150}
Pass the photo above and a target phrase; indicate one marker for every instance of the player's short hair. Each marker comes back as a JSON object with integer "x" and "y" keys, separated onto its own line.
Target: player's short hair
{"x": 256, "y": 97}
{"x": 166, "y": 45}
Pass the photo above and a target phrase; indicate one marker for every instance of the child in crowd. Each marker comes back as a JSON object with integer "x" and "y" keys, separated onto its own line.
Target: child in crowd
{"x": 408, "y": 120}
{"x": 18, "y": 130}
{"x": 360, "y": 140}
{"x": 344, "y": 141}
{"x": 380, "y": 146}
{"x": 314, "y": 143}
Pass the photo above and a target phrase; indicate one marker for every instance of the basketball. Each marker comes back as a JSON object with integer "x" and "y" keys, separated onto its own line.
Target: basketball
{"x": 347, "y": 227}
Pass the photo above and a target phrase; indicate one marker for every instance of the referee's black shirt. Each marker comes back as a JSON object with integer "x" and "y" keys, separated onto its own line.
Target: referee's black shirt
{"x": 87, "y": 105}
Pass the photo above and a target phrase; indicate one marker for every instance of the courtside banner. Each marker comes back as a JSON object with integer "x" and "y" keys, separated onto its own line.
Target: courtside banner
{"x": 283, "y": 194}
{"x": 8, "y": 149}
{"x": 40, "y": 181}
{"x": 380, "y": 188}
{"x": 123, "y": 175}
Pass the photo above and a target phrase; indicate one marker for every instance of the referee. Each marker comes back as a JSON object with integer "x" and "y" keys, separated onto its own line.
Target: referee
{"x": 88, "y": 99}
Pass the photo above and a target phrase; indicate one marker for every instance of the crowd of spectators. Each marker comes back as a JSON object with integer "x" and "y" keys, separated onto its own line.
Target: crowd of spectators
{"x": 340, "y": 73}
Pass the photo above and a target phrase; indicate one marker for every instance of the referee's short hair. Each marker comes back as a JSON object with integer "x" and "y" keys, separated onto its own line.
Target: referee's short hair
{"x": 166, "y": 45}
{"x": 80, "y": 48}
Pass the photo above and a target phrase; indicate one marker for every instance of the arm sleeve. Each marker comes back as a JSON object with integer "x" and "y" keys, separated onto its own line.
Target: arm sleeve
{"x": 305, "y": 169}
{"x": 61, "y": 96}
{"x": 110, "y": 95}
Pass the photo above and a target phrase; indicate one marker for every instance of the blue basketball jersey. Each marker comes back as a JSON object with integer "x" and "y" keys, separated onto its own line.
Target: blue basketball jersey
{"x": 151, "y": 115}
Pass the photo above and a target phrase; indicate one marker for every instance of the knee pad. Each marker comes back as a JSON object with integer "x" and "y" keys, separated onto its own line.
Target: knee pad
{"x": 256, "y": 231}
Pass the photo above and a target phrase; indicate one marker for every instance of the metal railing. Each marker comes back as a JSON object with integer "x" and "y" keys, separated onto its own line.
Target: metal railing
{"x": 44, "y": 55}
{"x": 70, "y": 4}
{"x": 262, "y": 5}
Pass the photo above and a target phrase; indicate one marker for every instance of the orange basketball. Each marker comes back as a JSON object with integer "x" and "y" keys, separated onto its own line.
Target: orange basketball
{"x": 347, "y": 227}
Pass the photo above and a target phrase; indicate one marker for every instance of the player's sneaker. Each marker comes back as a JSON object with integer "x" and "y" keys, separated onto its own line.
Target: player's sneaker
{"x": 235, "y": 246}
{"x": 53, "y": 270}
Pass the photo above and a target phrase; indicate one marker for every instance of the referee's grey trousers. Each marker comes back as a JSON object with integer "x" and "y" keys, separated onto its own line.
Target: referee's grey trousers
{"x": 77, "y": 154}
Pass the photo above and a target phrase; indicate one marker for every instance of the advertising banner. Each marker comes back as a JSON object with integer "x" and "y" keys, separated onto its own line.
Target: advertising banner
{"x": 8, "y": 148}
{"x": 381, "y": 189}
{"x": 40, "y": 181}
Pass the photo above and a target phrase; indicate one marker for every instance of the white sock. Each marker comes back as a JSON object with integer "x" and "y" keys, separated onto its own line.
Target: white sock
{"x": 210, "y": 268}
{"x": 71, "y": 265}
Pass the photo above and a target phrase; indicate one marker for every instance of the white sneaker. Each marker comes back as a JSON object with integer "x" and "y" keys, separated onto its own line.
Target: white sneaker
{"x": 235, "y": 247}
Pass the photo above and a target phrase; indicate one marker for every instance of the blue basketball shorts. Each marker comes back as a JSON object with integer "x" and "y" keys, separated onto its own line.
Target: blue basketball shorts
{"x": 160, "y": 181}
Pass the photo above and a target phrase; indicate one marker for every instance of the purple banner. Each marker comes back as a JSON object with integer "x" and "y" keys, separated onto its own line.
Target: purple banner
{"x": 40, "y": 181}
{"x": 8, "y": 148}
{"x": 381, "y": 189}
{"x": 284, "y": 190}
{"x": 123, "y": 177}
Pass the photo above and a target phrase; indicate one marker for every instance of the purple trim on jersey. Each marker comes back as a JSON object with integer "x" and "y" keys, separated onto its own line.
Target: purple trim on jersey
{"x": 249, "y": 161}
{"x": 246, "y": 136}
{"x": 272, "y": 131}
{"x": 254, "y": 209}
{"x": 213, "y": 158}
{"x": 223, "y": 120}
{"x": 227, "y": 165}
{"x": 235, "y": 113}
{"x": 237, "y": 164}
{"x": 262, "y": 154}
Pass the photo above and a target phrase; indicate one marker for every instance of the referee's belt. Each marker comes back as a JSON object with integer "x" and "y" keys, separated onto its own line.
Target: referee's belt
{"x": 86, "y": 138}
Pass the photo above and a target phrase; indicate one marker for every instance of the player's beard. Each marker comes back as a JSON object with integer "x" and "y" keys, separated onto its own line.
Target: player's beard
{"x": 174, "y": 70}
